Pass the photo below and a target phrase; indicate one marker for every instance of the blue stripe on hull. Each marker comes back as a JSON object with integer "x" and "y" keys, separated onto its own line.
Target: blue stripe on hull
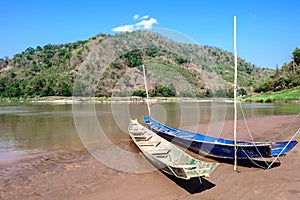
{"x": 281, "y": 148}
{"x": 219, "y": 147}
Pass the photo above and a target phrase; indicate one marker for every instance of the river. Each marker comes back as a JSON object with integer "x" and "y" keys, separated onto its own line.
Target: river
{"x": 29, "y": 129}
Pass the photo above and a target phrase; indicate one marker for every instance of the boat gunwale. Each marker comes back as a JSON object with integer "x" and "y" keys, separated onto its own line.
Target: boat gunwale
{"x": 260, "y": 144}
{"x": 176, "y": 134}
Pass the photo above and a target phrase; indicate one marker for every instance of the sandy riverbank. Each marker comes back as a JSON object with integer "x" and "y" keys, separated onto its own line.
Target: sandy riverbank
{"x": 75, "y": 174}
{"x": 75, "y": 100}
{"x": 133, "y": 99}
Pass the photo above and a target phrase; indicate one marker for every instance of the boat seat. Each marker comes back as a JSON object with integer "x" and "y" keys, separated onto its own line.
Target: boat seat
{"x": 142, "y": 137}
{"x": 160, "y": 152}
{"x": 138, "y": 132}
{"x": 164, "y": 156}
{"x": 188, "y": 167}
{"x": 148, "y": 143}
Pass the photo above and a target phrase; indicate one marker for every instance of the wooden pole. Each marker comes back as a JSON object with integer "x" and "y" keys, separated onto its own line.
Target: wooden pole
{"x": 146, "y": 88}
{"x": 235, "y": 97}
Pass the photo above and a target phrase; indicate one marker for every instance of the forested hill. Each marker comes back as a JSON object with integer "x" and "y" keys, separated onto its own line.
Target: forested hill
{"x": 288, "y": 76}
{"x": 95, "y": 66}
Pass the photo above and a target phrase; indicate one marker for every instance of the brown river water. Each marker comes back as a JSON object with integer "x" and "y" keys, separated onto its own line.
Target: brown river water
{"x": 29, "y": 129}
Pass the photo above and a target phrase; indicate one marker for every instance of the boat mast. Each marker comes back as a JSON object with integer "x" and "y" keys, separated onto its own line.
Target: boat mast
{"x": 235, "y": 97}
{"x": 146, "y": 88}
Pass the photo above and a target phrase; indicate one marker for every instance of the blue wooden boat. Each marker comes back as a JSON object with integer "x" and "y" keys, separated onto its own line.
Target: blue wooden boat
{"x": 218, "y": 147}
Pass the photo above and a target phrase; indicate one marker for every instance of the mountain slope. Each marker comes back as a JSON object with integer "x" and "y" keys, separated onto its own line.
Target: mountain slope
{"x": 111, "y": 65}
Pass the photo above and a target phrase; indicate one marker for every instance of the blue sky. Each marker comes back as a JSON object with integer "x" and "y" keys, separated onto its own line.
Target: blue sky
{"x": 267, "y": 31}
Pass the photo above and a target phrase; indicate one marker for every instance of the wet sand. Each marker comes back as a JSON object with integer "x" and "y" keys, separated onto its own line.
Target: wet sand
{"x": 75, "y": 174}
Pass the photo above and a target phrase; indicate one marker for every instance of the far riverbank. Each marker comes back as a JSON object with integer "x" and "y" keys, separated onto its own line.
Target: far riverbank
{"x": 133, "y": 99}
{"x": 72, "y": 100}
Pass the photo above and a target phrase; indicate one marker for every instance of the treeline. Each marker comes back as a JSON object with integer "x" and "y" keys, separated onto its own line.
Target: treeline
{"x": 170, "y": 91}
{"x": 158, "y": 91}
{"x": 288, "y": 76}
{"x": 43, "y": 71}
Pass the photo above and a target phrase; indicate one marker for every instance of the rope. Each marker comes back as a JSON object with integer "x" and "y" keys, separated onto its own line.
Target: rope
{"x": 284, "y": 147}
{"x": 249, "y": 132}
{"x": 200, "y": 180}
{"x": 269, "y": 165}
{"x": 253, "y": 160}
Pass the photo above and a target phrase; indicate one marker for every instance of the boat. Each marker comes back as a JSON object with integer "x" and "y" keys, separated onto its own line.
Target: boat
{"x": 166, "y": 156}
{"x": 218, "y": 147}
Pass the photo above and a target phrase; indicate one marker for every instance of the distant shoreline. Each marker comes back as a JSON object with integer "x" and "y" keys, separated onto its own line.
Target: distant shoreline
{"x": 74, "y": 100}
{"x": 71, "y": 100}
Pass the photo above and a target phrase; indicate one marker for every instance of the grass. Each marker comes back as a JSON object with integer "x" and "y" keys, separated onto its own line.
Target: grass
{"x": 292, "y": 94}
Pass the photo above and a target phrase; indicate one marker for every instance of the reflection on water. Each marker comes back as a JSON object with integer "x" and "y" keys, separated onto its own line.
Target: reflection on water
{"x": 34, "y": 128}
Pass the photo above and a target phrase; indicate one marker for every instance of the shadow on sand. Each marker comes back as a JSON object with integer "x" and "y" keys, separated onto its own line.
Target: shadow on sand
{"x": 192, "y": 186}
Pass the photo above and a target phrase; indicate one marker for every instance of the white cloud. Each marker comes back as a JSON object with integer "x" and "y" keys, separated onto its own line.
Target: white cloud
{"x": 124, "y": 28}
{"x": 145, "y": 23}
{"x": 252, "y": 15}
{"x": 136, "y": 17}
{"x": 144, "y": 17}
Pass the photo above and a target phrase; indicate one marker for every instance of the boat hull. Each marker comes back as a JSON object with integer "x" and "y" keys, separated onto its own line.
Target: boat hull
{"x": 167, "y": 156}
{"x": 220, "y": 150}
{"x": 218, "y": 147}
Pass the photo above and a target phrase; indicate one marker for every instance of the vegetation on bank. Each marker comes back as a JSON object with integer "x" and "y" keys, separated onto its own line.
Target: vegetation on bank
{"x": 42, "y": 71}
{"x": 283, "y": 85}
{"x": 288, "y": 76}
{"x": 287, "y": 95}
{"x": 207, "y": 71}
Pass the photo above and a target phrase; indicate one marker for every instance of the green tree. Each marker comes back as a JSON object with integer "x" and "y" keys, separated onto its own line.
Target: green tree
{"x": 115, "y": 65}
{"x": 242, "y": 91}
{"x": 133, "y": 58}
{"x": 209, "y": 93}
{"x": 152, "y": 52}
{"x": 180, "y": 60}
{"x": 296, "y": 56}
{"x": 139, "y": 93}
{"x": 249, "y": 70}
{"x": 162, "y": 91}
{"x": 220, "y": 93}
